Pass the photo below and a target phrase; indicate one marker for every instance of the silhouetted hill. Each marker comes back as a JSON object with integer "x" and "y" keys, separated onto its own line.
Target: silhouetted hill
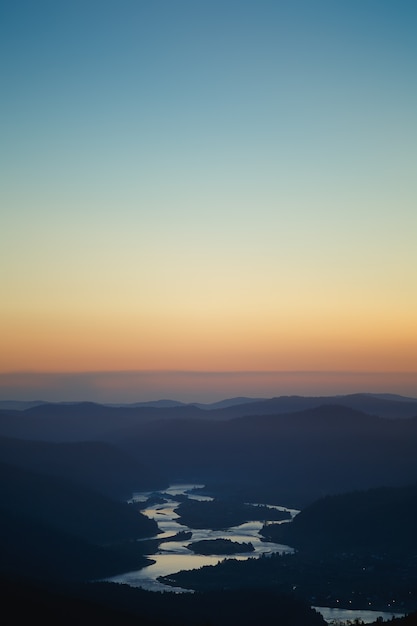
{"x": 19, "y": 405}
{"x": 391, "y": 406}
{"x": 237, "y": 607}
{"x": 302, "y": 456}
{"x": 221, "y": 404}
{"x": 35, "y": 549}
{"x": 100, "y": 466}
{"x": 95, "y": 422}
{"x": 158, "y": 404}
{"x": 25, "y": 601}
{"x": 108, "y": 604}
{"x": 85, "y": 421}
{"x": 70, "y": 508}
{"x": 407, "y": 620}
{"x": 383, "y": 405}
{"x": 377, "y": 521}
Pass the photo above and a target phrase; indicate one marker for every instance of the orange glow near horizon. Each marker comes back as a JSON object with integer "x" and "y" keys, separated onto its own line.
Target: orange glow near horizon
{"x": 134, "y": 386}
{"x": 228, "y": 200}
{"x": 231, "y": 344}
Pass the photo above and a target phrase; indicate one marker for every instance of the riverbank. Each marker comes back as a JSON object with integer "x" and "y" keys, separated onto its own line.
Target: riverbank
{"x": 341, "y": 581}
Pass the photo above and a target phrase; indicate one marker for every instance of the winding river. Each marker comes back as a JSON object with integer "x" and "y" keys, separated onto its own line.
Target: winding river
{"x": 173, "y": 555}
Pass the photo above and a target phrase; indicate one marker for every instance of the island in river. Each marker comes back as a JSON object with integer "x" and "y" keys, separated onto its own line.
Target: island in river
{"x": 220, "y": 514}
{"x": 220, "y": 546}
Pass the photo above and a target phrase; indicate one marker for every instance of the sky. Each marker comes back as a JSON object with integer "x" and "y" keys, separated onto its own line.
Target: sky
{"x": 204, "y": 198}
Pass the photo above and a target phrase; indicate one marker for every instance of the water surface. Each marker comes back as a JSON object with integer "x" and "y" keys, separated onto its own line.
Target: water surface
{"x": 173, "y": 556}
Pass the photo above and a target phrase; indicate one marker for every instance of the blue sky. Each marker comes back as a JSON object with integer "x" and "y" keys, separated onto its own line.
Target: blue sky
{"x": 208, "y": 186}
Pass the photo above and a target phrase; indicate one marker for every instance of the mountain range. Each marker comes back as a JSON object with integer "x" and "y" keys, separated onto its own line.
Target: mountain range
{"x": 66, "y": 470}
{"x": 297, "y": 448}
{"x": 91, "y": 421}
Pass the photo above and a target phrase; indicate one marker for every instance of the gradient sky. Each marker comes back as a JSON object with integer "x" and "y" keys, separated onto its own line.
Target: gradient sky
{"x": 207, "y": 186}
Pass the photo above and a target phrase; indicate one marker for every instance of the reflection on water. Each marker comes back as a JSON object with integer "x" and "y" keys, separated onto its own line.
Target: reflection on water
{"x": 173, "y": 556}
{"x": 340, "y": 616}
{"x": 164, "y": 565}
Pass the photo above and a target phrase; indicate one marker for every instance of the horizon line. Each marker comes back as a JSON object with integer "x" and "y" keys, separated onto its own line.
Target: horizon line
{"x": 202, "y": 371}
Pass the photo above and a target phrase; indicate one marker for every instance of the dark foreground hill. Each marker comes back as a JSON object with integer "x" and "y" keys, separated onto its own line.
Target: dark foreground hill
{"x": 25, "y": 601}
{"x": 118, "y": 605}
{"x": 52, "y": 529}
{"x": 377, "y": 521}
{"x": 235, "y": 607}
{"x": 44, "y": 553}
{"x": 99, "y": 466}
{"x": 71, "y": 508}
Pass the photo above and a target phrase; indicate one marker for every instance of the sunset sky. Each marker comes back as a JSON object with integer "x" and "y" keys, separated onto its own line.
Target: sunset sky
{"x": 205, "y": 198}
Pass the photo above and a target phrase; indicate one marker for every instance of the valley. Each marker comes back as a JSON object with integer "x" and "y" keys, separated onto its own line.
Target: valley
{"x": 318, "y": 506}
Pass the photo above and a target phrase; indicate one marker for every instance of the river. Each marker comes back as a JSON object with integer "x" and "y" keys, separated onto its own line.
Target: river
{"x": 173, "y": 556}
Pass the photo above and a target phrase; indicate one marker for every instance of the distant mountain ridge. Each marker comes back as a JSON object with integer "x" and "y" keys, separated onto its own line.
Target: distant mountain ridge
{"x": 22, "y": 405}
{"x": 89, "y": 421}
{"x": 372, "y": 404}
{"x": 19, "y": 405}
{"x": 301, "y": 456}
{"x": 385, "y": 404}
{"x": 303, "y": 447}
{"x": 222, "y": 404}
